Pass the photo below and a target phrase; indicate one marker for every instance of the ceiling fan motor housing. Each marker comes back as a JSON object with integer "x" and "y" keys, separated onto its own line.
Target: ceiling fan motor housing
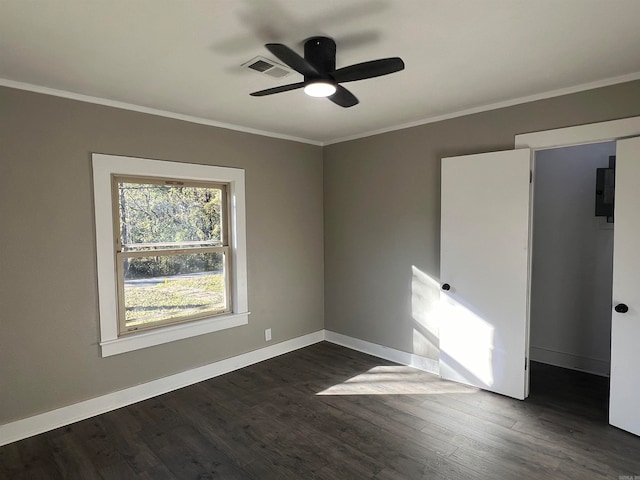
{"x": 321, "y": 53}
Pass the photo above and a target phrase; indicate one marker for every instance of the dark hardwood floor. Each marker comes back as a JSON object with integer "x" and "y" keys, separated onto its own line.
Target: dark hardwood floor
{"x": 326, "y": 412}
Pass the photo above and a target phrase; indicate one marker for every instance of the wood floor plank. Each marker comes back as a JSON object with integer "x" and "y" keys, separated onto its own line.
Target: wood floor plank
{"x": 326, "y": 412}
{"x": 30, "y": 459}
{"x": 70, "y": 458}
{"x": 186, "y": 454}
{"x": 157, "y": 472}
{"x": 122, "y": 430}
{"x": 101, "y": 450}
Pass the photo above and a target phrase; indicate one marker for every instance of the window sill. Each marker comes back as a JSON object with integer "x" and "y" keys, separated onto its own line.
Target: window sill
{"x": 171, "y": 333}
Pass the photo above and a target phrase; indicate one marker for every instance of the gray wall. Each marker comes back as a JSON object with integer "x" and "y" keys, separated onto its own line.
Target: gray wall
{"x": 49, "y": 353}
{"x": 381, "y": 234}
{"x": 572, "y": 261}
{"x": 382, "y": 212}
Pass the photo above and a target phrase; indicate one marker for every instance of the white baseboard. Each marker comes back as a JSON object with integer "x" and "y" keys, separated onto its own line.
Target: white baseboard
{"x": 20, "y": 429}
{"x": 569, "y": 360}
{"x": 27, "y": 427}
{"x": 398, "y": 356}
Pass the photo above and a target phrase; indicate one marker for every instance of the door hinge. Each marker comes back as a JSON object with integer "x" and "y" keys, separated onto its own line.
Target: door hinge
{"x": 530, "y": 176}
{"x": 526, "y": 362}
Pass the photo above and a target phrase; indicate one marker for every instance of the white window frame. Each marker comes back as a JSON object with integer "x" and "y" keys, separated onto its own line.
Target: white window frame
{"x": 106, "y": 166}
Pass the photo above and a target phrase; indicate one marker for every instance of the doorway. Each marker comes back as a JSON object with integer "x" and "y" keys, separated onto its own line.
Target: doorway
{"x": 624, "y": 391}
{"x": 571, "y": 278}
{"x": 572, "y": 261}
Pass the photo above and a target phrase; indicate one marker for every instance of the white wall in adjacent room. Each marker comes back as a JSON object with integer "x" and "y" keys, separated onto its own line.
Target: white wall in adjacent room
{"x": 572, "y": 261}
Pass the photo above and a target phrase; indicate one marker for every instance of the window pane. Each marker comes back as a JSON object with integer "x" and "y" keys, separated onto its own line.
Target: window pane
{"x": 168, "y": 287}
{"x": 166, "y": 216}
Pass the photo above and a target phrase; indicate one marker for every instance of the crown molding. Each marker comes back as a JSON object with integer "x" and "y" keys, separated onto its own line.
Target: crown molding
{"x": 493, "y": 106}
{"x": 151, "y": 111}
{"x": 204, "y": 121}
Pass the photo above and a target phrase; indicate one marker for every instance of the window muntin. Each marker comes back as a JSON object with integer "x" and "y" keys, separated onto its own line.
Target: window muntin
{"x": 172, "y": 251}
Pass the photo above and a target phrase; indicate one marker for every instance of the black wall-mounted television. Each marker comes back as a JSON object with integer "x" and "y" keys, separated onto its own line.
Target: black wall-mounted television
{"x": 605, "y": 190}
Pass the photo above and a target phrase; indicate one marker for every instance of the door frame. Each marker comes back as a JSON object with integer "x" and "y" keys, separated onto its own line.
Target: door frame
{"x": 590, "y": 133}
{"x": 608, "y": 131}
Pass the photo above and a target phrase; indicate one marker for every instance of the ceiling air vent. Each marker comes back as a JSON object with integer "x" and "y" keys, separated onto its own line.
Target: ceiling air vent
{"x": 268, "y": 67}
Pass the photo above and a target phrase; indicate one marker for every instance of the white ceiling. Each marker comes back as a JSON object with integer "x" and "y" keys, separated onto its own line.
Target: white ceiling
{"x": 185, "y": 57}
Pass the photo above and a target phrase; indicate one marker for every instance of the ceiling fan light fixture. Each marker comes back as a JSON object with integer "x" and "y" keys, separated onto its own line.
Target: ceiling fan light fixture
{"x": 320, "y": 88}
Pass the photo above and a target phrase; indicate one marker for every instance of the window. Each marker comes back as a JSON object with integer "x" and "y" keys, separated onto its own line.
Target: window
{"x": 171, "y": 250}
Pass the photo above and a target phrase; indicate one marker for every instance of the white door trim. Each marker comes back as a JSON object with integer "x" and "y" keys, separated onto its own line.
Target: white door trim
{"x": 590, "y": 133}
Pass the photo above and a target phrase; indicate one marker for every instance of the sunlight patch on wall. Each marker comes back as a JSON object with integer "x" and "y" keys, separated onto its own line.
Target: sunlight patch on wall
{"x": 396, "y": 380}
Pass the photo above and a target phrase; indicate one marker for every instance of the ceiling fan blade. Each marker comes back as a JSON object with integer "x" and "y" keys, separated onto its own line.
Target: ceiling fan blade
{"x": 292, "y": 59}
{"x": 344, "y": 98}
{"x": 280, "y": 89}
{"x": 373, "y": 68}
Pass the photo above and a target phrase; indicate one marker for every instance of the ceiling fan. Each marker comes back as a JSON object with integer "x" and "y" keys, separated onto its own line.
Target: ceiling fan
{"x": 321, "y": 79}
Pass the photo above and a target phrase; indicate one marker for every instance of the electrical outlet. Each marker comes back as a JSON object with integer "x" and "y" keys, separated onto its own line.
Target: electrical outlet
{"x": 267, "y": 335}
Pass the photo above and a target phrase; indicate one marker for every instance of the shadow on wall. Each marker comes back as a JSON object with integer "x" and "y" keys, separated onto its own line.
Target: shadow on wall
{"x": 449, "y": 330}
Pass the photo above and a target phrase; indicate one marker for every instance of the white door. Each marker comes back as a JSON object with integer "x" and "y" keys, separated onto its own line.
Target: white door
{"x": 624, "y": 404}
{"x": 484, "y": 270}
